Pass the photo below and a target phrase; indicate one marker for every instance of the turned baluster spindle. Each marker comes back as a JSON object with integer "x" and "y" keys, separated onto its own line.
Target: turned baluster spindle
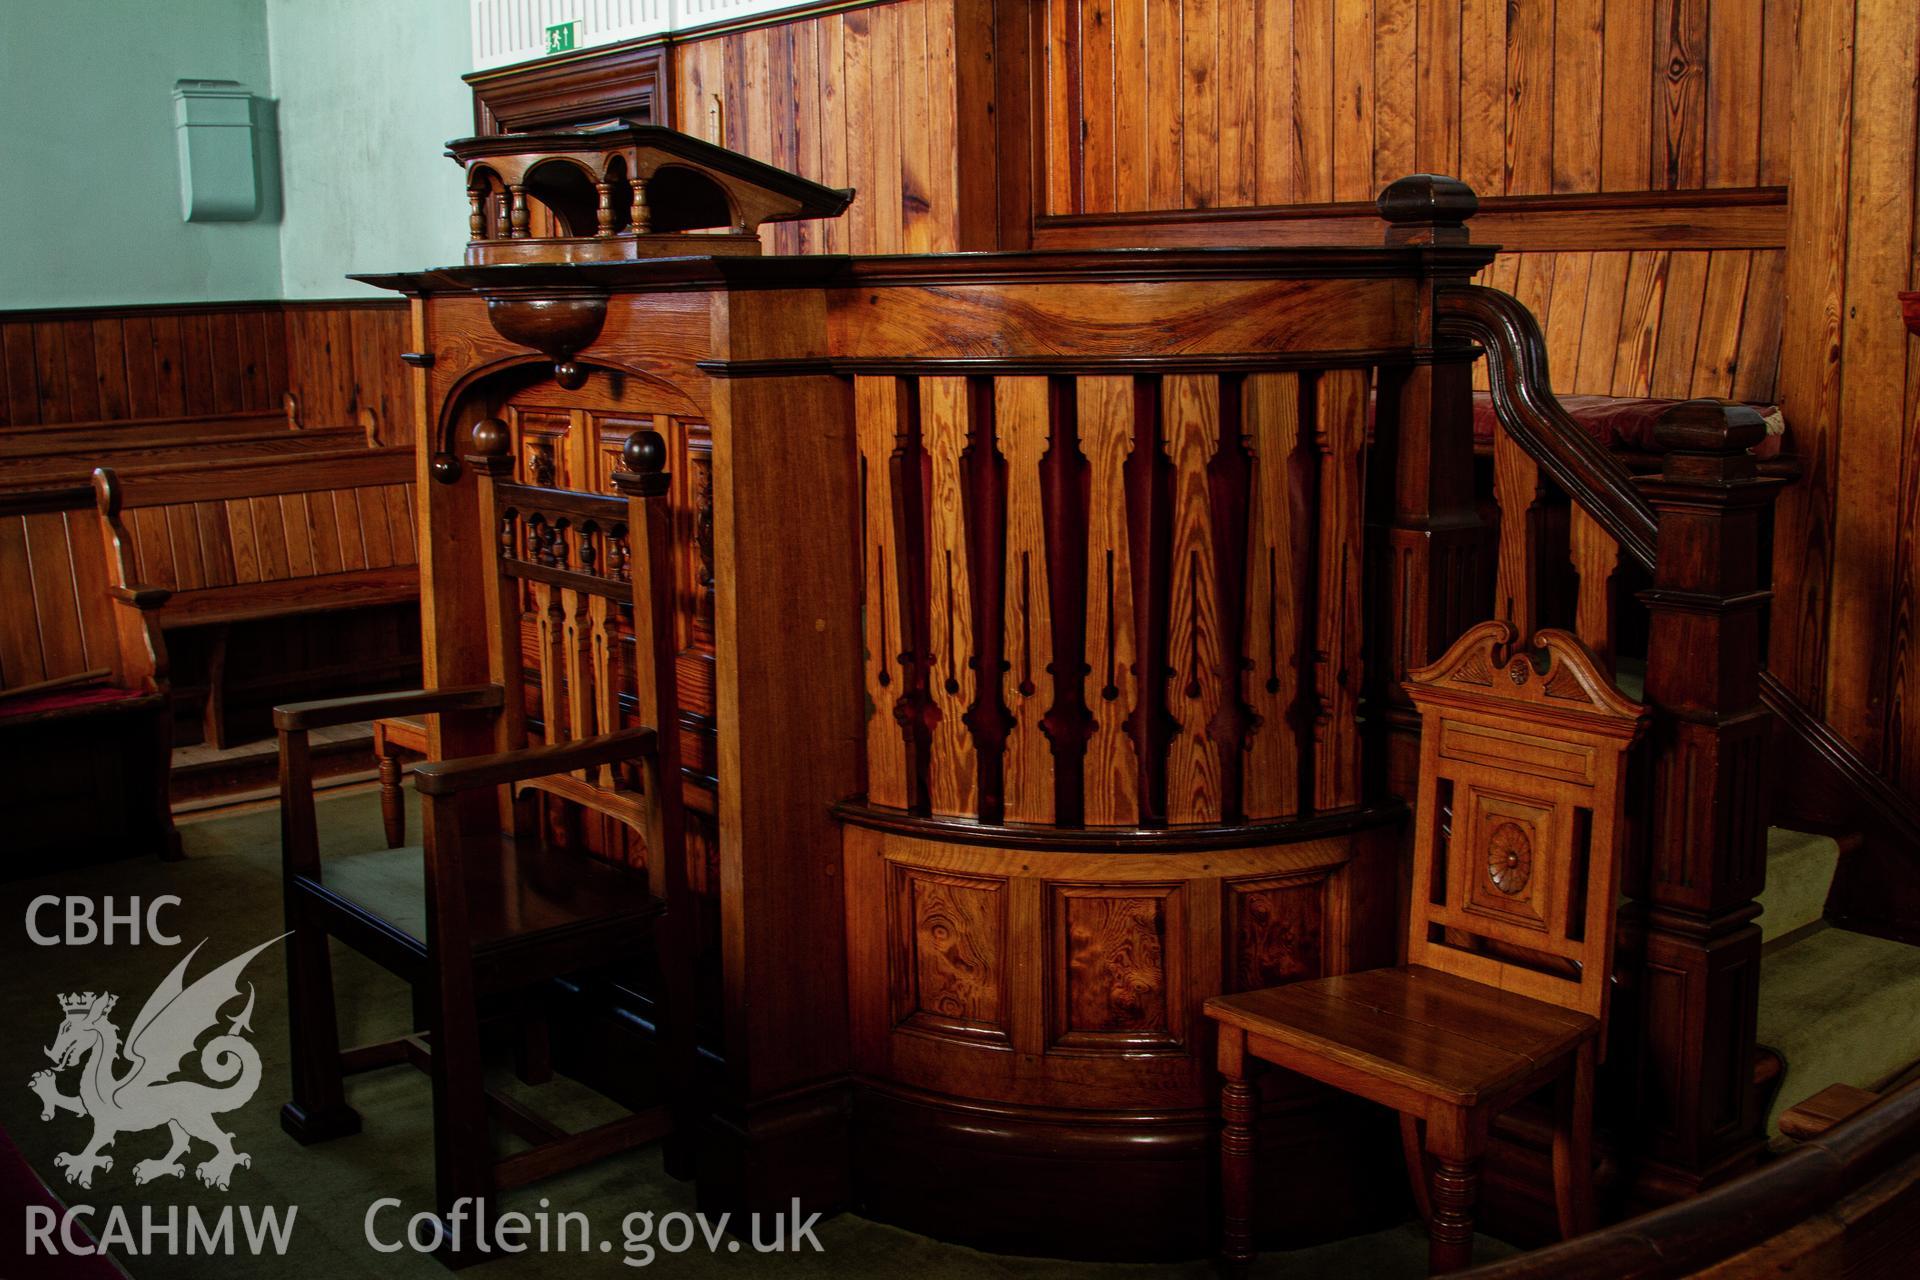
{"x": 603, "y": 212}
{"x": 588, "y": 534}
{"x": 617, "y": 553}
{"x": 517, "y": 217}
{"x": 506, "y": 535}
{"x": 639, "y": 216}
{"x": 476, "y": 214}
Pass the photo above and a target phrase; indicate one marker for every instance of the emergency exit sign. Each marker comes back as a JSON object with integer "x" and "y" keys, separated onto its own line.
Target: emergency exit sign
{"x": 561, "y": 36}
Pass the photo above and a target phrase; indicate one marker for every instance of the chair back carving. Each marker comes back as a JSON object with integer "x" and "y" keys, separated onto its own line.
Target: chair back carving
{"x": 591, "y": 569}
{"x": 1522, "y": 799}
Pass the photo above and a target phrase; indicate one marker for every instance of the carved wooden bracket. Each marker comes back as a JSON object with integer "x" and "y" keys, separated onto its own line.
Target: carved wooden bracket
{"x": 557, "y": 323}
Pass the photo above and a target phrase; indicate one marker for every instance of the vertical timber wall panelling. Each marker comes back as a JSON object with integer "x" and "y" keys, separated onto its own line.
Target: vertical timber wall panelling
{"x": 1231, "y": 103}
{"x": 891, "y": 100}
{"x": 117, "y": 364}
{"x": 343, "y": 357}
{"x": 1847, "y": 572}
{"x": 140, "y": 362}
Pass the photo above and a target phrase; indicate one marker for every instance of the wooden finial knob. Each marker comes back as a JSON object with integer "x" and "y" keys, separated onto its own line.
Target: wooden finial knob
{"x": 1427, "y": 208}
{"x": 644, "y": 453}
{"x": 491, "y": 437}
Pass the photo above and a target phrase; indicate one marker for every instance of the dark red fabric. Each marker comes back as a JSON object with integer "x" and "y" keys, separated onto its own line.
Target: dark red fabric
{"x": 20, "y": 1187}
{"x": 1614, "y": 422}
{"x": 60, "y": 699}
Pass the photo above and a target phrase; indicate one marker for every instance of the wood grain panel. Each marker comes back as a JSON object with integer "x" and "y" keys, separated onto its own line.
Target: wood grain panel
{"x": 1270, "y": 423}
{"x": 1277, "y": 930}
{"x": 111, "y": 364}
{"x": 1334, "y": 100}
{"x": 1116, "y": 960}
{"x": 1678, "y": 323}
{"x": 877, "y": 419}
{"x": 953, "y": 783}
{"x": 1340, "y": 424}
{"x": 1196, "y": 688}
{"x": 1024, "y": 433}
{"x": 870, "y": 98}
{"x": 950, "y": 963}
{"x": 1106, "y": 426}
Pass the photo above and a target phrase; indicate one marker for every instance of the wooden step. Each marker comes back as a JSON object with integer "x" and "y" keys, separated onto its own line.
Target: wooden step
{"x": 1825, "y": 1109}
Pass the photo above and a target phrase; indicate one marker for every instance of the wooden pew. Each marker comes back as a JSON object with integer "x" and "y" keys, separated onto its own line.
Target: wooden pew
{"x": 34, "y": 460}
{"x": 258, "y": 538}
{"x": 85, "y": 725}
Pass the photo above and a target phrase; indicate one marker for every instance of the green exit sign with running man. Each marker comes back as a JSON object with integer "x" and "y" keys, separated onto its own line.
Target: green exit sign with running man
{"x": 560, "y": 37}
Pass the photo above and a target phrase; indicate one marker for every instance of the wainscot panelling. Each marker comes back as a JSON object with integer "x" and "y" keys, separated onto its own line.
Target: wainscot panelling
{"x": 113, "y": 364}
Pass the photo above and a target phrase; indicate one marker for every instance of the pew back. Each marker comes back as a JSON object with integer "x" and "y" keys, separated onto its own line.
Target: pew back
{"x": 263, "y": 536}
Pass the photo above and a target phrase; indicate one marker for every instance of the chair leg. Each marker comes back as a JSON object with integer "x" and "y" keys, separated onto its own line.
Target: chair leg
{"x": 1413, "y": 1143}
{"x": 1455, "y": 1141}
{"x": 393, "y": 805}
{"x": 1573, "y": 1145}
{"x": 533, "y": 1051}
{"x": 1237, "y": 1104}
{"x": 318, "y": 1110}
{"x": 462, "y": 1153}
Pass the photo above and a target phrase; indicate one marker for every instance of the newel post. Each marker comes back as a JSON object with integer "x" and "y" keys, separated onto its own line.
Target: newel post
{"x": 1707, "y": 838}
{"x": 1424, "y": 531}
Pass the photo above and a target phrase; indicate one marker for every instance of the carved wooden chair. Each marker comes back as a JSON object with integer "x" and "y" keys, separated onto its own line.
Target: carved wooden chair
{"x": 1509, "y": 942}
{"x": 489, "y": 908}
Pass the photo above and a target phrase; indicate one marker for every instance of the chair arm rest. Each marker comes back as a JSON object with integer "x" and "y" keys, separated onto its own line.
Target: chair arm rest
{"x": 447, "y": 777}
{"x": 372, "y": 706}
{"x": 142, "y": 598}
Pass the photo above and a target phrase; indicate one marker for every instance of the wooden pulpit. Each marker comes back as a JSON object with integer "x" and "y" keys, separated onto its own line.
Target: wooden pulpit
{"x": 1040, "y": 627}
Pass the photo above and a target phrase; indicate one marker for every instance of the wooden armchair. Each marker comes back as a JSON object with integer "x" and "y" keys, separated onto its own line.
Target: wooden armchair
{"x": 1509, "y": 942}
{"x": 489, "y": 908}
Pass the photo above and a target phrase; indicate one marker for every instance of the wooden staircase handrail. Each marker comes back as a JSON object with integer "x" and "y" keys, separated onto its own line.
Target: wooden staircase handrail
{"x": 1683, "y": 1238}
{"x": 1519, "y": 387}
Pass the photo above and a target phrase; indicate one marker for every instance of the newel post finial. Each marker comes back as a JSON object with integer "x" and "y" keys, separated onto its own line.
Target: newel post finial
{"x": 1427, "y": 208}
{"x": 644, "y": 473}
{"x": 1709, "y": 440}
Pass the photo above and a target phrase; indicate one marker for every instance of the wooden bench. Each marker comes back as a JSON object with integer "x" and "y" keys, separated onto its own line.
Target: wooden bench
{"x": 85, "y": 722}
{"x": 255, "y": 539}
{"x": 35, "y": 460}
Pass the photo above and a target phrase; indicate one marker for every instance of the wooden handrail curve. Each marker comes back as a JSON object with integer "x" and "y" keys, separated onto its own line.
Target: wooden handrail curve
{"x": 1519, "y": 385}
{"x": 1684, "y": 1238}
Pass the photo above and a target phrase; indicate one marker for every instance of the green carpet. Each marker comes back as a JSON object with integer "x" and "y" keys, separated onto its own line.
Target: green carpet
{"x": 230, "y": 891}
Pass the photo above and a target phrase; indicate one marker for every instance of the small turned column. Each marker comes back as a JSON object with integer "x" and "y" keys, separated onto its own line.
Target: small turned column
{"x": 1238, "y": 1108}
{"x": 476, "y": 214}
{"x": 1455, "y": 1187}
{"x": 640, "y": 217}
{"x": 1708, "y": 833}
{"x": 517, "y": 218}
{"x": 603, "y": 214}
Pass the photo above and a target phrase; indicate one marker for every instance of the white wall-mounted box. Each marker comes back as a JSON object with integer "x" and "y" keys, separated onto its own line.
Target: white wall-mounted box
{"x": 213, "y": 124}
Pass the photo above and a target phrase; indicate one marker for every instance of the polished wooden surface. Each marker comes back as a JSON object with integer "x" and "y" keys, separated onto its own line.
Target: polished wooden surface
{"x": 1510, "y": 933}
{"x": 112, "y": 364}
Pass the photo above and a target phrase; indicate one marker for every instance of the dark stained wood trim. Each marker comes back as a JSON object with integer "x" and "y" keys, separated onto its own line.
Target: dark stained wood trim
{"x": 632, "y": 79}
{"x": 1803, "y": 1185}
{"x": 1344, "y": 262}
{"x": 196, "y": 308}
{"x": 985, "y": 366}
{"x": 1124, "y": 840}
{"x": 1743, "y": 218}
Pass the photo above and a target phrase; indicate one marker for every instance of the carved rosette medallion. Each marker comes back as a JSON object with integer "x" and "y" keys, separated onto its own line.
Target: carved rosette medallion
{"x": 1509, "y": 858}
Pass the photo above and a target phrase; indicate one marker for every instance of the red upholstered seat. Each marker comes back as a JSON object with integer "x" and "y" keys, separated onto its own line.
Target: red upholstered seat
{"x": 1621, "y": 422}
{"x": 67, "y": 699}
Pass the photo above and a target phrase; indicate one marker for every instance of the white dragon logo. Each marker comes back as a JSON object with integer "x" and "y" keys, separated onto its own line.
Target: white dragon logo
{"x": 144, "y": 1097}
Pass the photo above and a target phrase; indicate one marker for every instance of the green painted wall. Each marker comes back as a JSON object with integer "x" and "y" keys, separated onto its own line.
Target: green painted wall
{"x": 369, "y": 94}
{"x": 91, "y": 197}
